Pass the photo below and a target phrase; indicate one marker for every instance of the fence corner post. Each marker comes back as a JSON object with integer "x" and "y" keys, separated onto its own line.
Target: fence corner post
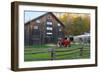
{"x": 52, "y": 51}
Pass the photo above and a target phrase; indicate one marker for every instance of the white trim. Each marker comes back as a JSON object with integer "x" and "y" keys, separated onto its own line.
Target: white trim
{"x": 59, "y": 24}
{"x": 49, "y": 23}
{"x": 49, "y": 33}
{"x": 37, "y": 21}
{"x": 49, "y": 28}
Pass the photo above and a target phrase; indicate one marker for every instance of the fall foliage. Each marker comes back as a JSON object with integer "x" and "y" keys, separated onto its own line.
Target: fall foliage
{"x": 75, "y": 23}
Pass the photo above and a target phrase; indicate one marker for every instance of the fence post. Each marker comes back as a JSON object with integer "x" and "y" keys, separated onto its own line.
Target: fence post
{"x": 81, "y": 51}
{"x": 52, "y": 54}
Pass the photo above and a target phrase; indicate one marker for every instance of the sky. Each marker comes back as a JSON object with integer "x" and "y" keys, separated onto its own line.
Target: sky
{"x": 29, "y": 15}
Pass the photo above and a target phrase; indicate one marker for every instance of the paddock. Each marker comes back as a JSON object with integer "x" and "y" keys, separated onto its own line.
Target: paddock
{"x": 51, "y": 52}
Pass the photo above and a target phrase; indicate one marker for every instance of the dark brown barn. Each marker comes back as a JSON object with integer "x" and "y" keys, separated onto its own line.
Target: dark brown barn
{"x": 44, "y": 29}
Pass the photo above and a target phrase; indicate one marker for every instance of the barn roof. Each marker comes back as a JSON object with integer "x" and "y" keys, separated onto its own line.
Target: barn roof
{"x": 44, "y": 15}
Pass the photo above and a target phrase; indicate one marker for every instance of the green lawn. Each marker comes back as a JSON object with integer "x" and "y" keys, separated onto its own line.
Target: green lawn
{"x": 42, "y": 52}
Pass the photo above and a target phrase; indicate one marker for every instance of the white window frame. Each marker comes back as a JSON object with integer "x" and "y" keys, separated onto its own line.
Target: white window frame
{"x": 59, "y": 24}
{"x": 37, "y": 21}
{"x": 49, "y": 23}
{"x": 49, "y": 33}
{"x": 49, "y": 28}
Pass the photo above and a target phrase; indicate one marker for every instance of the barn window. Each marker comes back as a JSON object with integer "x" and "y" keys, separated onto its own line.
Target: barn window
{"x": 35, "y": 27}
{"x": 49, "y": 28}
{"x": 49, "y": 23}
{"x": 38, "y": 21}
{"x": 49, "y": 33}
{"x": 58, "y": 24}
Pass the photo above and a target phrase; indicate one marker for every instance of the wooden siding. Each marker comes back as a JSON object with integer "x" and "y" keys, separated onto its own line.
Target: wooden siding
{"x": 39, "y": 36}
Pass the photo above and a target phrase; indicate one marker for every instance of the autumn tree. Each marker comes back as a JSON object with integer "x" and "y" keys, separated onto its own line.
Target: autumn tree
{"x": 75, "y": 24}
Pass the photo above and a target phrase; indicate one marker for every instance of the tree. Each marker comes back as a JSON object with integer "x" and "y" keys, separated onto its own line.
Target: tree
{"x": 75, "y": 24}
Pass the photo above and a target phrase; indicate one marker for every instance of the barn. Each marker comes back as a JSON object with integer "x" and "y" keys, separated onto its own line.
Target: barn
{"x": 44, "y": 29}
{"x": 85, "y": 38}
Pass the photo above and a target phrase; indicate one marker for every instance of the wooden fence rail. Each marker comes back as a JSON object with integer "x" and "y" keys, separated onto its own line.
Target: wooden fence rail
{"x": 53, "y": 53}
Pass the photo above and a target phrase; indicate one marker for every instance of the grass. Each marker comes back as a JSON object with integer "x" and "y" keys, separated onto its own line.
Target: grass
{"x": 73, "y": 52}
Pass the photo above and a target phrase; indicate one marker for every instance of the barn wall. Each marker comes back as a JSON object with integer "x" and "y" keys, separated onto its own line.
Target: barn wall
{"x": 38, "y": 36}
